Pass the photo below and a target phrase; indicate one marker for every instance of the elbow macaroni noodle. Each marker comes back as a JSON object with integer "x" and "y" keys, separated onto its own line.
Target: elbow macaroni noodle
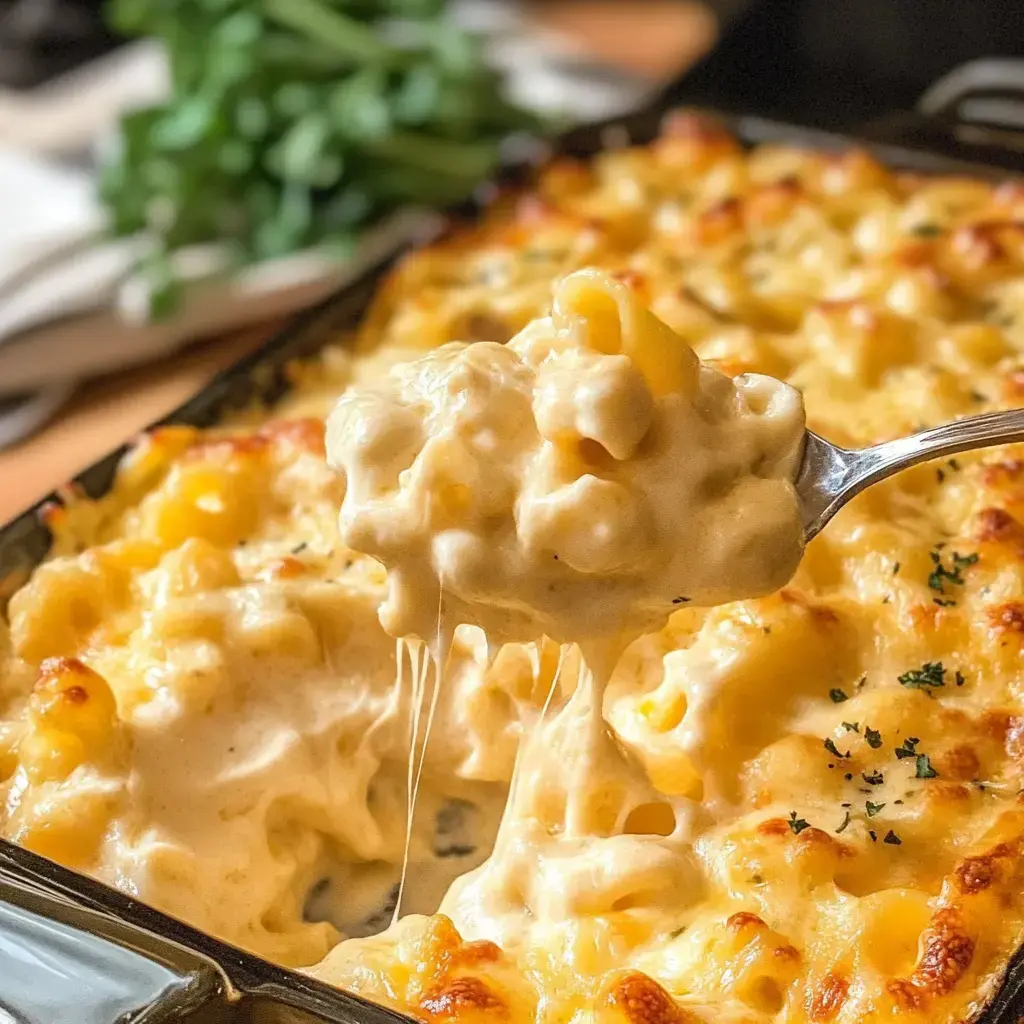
{"x": 802, "y": 807}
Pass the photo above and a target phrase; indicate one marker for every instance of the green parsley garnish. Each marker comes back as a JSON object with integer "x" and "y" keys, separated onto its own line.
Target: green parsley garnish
{"x": 907, "y": 750}
{"x": 924, "y": 768}
{"x": 952, "y": 574}
{"x": 846, "y": 821}
{"x": 797, "y": 824}
{"x": 873, "y": 736}
{"x": 833, "y": 749}
{"x": 851, "y": 726}
{"x": 926, "y": 230}
{"x": 930, "y": 676}
{"x": 837, "y": 695}
{"x": 874, "y": 779}
{"x": 896, "y": 569}
{"x": 959, "y": 678}
{"x": 872, "y": 809}
{"x": 294, "y": 124}
{"x": 892, "y": 839}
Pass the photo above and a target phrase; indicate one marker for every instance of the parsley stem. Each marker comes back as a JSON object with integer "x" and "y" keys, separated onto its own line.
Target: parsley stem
{"x": 328, "y": 26}
{"x": 471, "y": 160}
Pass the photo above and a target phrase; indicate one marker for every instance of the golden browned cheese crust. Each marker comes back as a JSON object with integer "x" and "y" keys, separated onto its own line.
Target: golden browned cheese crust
{"x": 853, "y": 744}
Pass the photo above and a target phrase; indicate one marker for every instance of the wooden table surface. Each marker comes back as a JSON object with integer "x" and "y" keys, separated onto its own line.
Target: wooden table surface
{"x": 652, "y": 37}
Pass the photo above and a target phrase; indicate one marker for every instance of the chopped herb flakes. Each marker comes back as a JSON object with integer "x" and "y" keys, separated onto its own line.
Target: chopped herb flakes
{"x": 940, "y": 475}
{"x": 875, "y": 778}
{"x": 896, "y": 569}
{"x": 892, "y": 839}
{"x": 871, "y": 808}
{"x": 926, "y": 230}
{"x": 873, "y": 834}
{"x": 851, "y": 726}
{"x": 959, "y": 678}
{"x": 846, "y": 821}
{"x": 873, "y": 736}
{"x": 797, "y": 825}
{"x": 299, "y": 548}
{"x": 833, "y": 749}
{"x": 837, "y": 696}
{"x": 930, "y": 676}
{"x": 680, "y": 600}
{"x": 924, "y": 768}
{"x": 907, "y": 749}
{"x": 952, "y": 574}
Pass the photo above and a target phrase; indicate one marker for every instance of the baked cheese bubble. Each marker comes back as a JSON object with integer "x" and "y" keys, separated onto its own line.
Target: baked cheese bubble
{"x": 580, "y": 482}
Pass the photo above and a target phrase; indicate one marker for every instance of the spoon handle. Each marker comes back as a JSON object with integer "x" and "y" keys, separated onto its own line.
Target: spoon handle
{"x": 830, "y": 476}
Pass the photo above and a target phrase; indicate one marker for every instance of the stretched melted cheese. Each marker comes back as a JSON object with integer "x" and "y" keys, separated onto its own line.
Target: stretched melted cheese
{"x": 572, "y": 483}
{"x": 209, "y": 600}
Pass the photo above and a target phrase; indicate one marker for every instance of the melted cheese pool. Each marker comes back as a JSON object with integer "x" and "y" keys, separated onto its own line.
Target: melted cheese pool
{"x": 800, "y": 807}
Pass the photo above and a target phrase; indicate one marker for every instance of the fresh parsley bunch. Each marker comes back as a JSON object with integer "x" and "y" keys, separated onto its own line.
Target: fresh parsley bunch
{"x": 296, "y": 123}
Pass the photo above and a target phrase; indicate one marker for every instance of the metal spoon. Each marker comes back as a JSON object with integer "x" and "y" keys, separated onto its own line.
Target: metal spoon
{"x": 830, "y": 476}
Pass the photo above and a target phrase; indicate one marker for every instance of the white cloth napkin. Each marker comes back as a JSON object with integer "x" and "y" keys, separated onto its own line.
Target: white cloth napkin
{"x": 71, "y": 306}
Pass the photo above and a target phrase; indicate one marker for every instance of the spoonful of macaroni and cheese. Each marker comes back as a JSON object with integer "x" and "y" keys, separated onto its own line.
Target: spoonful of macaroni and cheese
{"x": 581, "y": 482}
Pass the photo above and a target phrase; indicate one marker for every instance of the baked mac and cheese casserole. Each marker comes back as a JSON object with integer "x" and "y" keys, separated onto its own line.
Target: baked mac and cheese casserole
{"x": 486, "y": 675}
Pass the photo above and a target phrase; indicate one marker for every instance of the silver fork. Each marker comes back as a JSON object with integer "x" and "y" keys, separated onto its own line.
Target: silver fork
{"x": 830, "y": 476}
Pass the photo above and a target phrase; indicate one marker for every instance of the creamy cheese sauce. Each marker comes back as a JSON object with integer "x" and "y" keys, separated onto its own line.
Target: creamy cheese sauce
{"x": 579, "y": 483}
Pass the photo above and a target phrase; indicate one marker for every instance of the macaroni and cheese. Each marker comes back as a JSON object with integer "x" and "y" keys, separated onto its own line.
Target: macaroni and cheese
{"x": 799, "y": 807}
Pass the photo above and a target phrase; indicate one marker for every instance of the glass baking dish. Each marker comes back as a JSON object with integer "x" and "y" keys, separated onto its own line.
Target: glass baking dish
{"x": 75, "y": 950}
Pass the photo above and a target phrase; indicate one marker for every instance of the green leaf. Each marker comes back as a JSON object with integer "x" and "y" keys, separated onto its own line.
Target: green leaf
{"x": 252, "y": 118}
{"x": 294, "y": 99}
{"x": 415, "y": 100}
{"x": 358, "y": 107}
{"x": 184, "y": 125}
{"x": 302, "y": 148}
{"x": 235, "y": 157}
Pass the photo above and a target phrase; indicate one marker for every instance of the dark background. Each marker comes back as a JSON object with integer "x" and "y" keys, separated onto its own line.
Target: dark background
{"x": 837, "y": 63}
